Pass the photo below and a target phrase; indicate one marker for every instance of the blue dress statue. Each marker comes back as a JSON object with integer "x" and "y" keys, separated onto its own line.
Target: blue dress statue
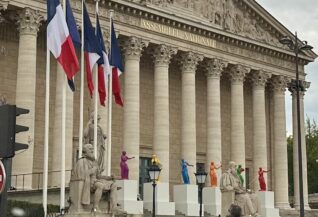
{"x": 184, "y": 171}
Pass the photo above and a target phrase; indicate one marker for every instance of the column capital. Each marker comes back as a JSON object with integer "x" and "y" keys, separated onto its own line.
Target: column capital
{"x": 237, "y": 73}
{"x": 190, "y": 60}
{"x": 29, "y": 21}
{"x": 4, "y": 5}
{"x": 279, "y": 83}
{"x": 259, "y": 78}
{"x": 215, "y": 67}
{"x": 292, "y": 87}
{"x": 163, "y": 54}
{"x": 133, "y": 47}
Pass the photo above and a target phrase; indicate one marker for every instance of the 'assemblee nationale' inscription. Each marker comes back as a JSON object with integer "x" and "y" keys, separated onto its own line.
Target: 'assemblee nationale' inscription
{"x": 167, "y": 30}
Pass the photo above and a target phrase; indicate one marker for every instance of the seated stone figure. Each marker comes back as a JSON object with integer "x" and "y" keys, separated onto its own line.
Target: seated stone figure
{"x": 231, "y": 182}
{"x": 86, "y": 170}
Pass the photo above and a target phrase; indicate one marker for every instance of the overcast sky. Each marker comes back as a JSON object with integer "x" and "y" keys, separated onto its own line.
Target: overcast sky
{"x": 300, "y": 16}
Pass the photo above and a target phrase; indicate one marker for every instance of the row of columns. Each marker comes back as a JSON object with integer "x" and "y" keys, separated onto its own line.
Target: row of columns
{"x": 29, "y": 23}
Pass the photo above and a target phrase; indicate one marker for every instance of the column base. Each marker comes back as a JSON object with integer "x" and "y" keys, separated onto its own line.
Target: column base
{"x": 306, "y": 207}
{"x": 282, "y": 205}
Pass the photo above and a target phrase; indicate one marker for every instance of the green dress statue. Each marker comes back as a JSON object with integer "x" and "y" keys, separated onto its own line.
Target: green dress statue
{"x": 239, "y": 171}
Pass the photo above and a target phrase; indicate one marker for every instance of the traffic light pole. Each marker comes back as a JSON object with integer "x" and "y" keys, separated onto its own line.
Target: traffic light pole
{"x": 7, "y": 162}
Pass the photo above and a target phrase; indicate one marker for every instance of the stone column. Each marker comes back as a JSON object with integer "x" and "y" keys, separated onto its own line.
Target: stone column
{"x": 133, "y": 49}
{"x": 280, "y": 147}
{"x": 237, "y": 74}
{"x": 188, "y": 122}
{"x": 29, "y": 22}
{"x": 259, "y": 79}
{"x": 214, "y": 69}
{"x": 162, "y": 55}
{"x": 303, "y": 145}
{"x": 55, "y": 164}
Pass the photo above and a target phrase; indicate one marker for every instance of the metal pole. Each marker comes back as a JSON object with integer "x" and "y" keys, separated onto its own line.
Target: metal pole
{"x": 300, "y": 162}
{"x": 153, "y": 199}
{"x": 200, "y": 188}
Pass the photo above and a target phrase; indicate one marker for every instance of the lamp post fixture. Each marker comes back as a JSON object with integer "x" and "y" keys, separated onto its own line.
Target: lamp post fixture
{"x": 154, "y": 173}
{"x": 200, "y": 176}
{"x": 297, "y": 47}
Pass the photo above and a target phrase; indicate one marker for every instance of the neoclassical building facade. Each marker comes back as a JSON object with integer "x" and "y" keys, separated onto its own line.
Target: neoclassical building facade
{"x": 204, "y": 81}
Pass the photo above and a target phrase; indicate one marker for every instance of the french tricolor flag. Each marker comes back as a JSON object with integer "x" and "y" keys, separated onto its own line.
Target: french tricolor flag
{"x": 116, "y": 63}
{"x": 92, "y": 50}
{"x": 103, "y": 65}
{"x": 59, "y": 41}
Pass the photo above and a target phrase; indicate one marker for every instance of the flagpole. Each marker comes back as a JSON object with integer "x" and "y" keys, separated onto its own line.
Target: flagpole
{"x": 96, "y": 95}
{"x": 110, "y": 97}
{"x": 80, "y": 137}
{"x": 62, "y": 190}
{"x": 46, "y": 131}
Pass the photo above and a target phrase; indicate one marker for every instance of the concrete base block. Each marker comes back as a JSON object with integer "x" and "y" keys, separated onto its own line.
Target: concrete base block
{"x": 266, "y": 201}
{"x": 212, "y": 201}
{"x": 127, "y": 197}
{"x": 186, "y": 199}
{"x": 163, "y": 204}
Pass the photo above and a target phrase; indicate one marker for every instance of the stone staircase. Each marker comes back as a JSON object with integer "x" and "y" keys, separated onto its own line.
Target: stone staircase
{"x": 295, "y": 213}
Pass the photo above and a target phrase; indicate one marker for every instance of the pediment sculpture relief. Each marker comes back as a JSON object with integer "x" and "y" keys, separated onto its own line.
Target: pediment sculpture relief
{"x": 224, "y": 13}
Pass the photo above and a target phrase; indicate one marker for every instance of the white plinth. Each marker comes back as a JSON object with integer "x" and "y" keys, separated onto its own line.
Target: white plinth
{"x": 266, "y": 201}
{"x": 127, "y": 197}
{"x": 212, "y": 201}
{"x": 163, "y": 204}
{"x": 186, "y": 199}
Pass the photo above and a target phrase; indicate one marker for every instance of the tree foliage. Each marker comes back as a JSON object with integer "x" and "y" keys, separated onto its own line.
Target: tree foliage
{"x": 312, "y": 156}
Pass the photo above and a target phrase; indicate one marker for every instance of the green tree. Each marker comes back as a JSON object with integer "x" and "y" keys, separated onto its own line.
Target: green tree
{"x": 312, "y": 156}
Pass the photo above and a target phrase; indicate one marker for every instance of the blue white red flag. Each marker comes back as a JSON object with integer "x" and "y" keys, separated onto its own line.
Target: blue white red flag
{"x": 75, "y": 36}
{"x": 59, "y": 41}
{"x": 92, "y": 50}
{"x": 116, "y": 63}
{"x": 103, "y": 65}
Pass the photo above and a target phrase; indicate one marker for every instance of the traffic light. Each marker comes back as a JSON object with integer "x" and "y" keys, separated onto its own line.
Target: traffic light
{"x": 8, "y": 129}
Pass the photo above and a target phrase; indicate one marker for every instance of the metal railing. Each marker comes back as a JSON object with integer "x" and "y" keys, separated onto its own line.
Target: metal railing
{"x": 34, "y": 181}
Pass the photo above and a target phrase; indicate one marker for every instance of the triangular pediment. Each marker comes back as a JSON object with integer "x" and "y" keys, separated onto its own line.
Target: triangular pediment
{"x": 230, "y": 15}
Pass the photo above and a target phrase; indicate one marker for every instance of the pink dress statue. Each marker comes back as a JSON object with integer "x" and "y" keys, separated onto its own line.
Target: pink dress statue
{"x": 261, "y": 179}
{"x": 124, "y": 166}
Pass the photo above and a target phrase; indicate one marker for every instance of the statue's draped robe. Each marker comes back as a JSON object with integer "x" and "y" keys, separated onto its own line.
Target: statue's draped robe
{"x": 247, "y": 202}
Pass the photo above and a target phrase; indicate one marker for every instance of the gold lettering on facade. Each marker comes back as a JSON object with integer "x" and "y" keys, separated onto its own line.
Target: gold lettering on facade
{"x": 177, "y": 33}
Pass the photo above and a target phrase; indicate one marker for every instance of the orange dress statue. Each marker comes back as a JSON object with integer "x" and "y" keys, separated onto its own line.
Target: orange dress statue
{"x": 213, "y": 175}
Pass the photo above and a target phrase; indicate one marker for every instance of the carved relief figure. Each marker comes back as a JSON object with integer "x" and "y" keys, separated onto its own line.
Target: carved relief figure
{"x": 229, "y": 15}
{"x": 88, "y": 138}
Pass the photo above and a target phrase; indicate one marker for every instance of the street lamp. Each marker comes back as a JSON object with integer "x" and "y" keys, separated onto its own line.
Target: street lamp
{"x": 297, "y": 47}
{"x": 154, "y": 173}
{"x": 200, "y": 176}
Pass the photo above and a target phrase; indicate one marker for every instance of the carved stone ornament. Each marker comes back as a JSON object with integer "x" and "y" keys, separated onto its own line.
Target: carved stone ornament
{"x": 29, "y": 21}
{"x": 189, "y": 61}
{"x": 231, "y": 15}
{"x": 259, "y": 78}
{"x": 3, "y": 7}
{"x": 133, "y": 47}
{"x": 215, "y": 67}
{"x": 238, "y": 72}
{"x": 163, "y": 53}
{"x": 304, "y": 85}
{"x": 279, "y": 83}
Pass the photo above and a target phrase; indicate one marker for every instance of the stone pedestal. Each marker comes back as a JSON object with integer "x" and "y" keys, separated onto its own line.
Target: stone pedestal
{"x": 212, "y": 201}
{"x": 266, "y": 201}
{"x": 186, "y": 199}
{"x": 127, "y": 197}
{"x": 163, "y": 205}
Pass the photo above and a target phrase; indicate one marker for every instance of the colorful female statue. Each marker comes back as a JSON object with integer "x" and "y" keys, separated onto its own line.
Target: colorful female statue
{"x": 261, "y": 179}
{"x": 239, "y": 171}
{"x": 124, "y": 166}
{"x": 213, "y": 176}
{"x": 184, "y": 171}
